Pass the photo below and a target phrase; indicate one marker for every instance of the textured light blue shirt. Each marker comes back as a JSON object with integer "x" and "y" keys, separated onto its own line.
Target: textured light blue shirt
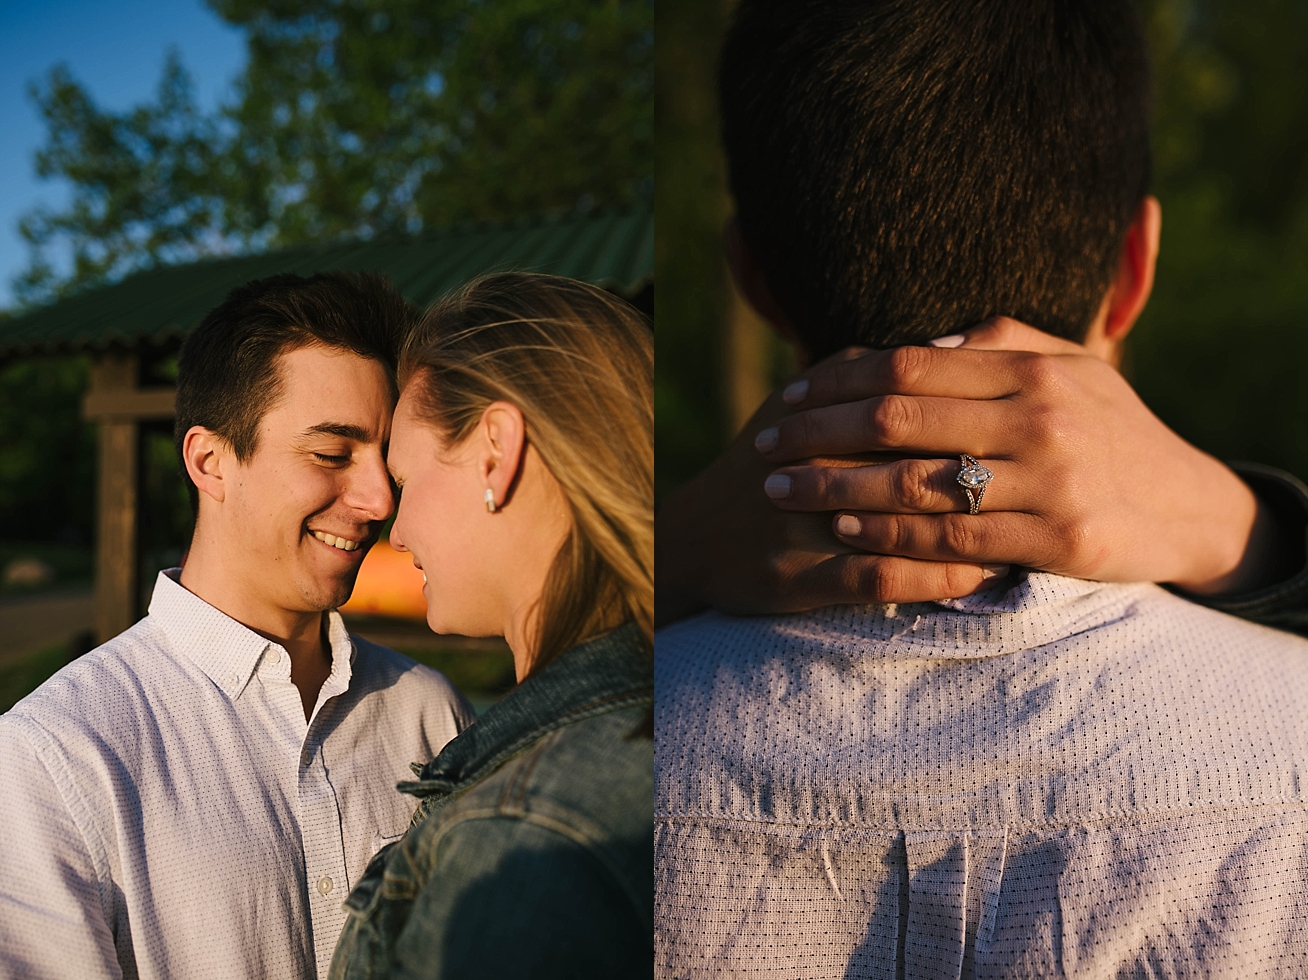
{"x": 1053, "y": 778}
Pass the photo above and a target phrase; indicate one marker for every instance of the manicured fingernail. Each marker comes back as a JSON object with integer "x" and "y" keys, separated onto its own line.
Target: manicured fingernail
{"x": 953, "y": 340}
{"x": 777, "y": 486}
{"x": 993, "y": 571}
{"x": 766, "y": 441}
{"x": 848, "y": 525}
{"x": 795, "y": 392}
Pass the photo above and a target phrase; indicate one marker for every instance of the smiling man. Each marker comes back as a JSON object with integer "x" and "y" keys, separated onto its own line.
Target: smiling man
{"x": 196, "y": 797}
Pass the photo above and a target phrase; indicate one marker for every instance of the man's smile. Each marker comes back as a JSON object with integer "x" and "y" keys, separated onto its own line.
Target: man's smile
{"x": 336, "y": 541}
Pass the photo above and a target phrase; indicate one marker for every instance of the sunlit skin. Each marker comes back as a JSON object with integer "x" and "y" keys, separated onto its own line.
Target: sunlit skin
{"x": 484, "y": 571}
{"x": 319, "y": 466}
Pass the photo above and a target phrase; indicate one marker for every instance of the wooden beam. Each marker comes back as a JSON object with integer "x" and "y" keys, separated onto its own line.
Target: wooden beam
{"x": 114, "y": 376}
{"x": 124, "y": 404}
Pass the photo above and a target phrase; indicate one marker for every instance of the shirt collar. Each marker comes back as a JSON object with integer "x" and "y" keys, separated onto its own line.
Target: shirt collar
{"x": 1028, "y": 610}
{"x": 228, "y": 651}
{"x": 603, "y": 675}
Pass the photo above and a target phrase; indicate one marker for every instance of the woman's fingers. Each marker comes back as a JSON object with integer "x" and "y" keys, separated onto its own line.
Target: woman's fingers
{"x": 909, "y": 370}
{"x": 1008, "y": 538}
{"x": 905, "y": 486}
{"x": 1005, "y": 333}
{"x": 844, "y": 579}
{"x": 903, "y": 423}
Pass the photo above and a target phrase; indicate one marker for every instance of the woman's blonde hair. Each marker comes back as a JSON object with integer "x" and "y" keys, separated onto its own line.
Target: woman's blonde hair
{"x": 579, "y": 364}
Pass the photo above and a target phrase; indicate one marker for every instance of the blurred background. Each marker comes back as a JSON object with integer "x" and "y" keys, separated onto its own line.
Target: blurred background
{"x": 156, "y": 152}
{"x": 1221, "y": 353}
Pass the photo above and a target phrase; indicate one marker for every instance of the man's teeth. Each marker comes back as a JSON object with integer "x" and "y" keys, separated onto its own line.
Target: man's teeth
{"x": 336, "y": 542}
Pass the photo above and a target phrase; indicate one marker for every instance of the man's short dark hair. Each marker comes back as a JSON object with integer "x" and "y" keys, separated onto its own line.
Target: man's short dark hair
{"x": 227, "y": 376}
{"x": 905, "y": 168}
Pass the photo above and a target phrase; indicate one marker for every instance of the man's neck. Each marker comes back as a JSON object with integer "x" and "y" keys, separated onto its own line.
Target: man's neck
{"x": 303, "y": 634}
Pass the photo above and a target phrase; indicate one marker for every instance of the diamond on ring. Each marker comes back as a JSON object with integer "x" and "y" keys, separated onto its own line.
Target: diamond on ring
{"x": 973, "y": 478}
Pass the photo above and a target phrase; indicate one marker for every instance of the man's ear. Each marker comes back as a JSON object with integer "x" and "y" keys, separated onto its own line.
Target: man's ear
{"x": 1127, "y": 296}
{"x": 503, "y": 440}
{"x": 204, "y": 454}
{"x": 749, "y": 280}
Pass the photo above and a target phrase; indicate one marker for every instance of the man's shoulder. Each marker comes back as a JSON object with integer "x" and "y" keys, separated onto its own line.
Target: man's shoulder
{"x": 391, "y": 675}
{"x": 726, "y": 636}
{"x": 97, "y": 689}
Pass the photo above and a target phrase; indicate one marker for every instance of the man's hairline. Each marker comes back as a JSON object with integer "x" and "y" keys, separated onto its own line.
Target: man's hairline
{"x": 292, "y": 345}
{"x": 798, "y": 343}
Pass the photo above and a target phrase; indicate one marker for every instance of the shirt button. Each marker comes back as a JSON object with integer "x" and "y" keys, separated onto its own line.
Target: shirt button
{"x": 274, "y": 656}
{"x": 324, "y": 885}
{"x": 231, "y": 679}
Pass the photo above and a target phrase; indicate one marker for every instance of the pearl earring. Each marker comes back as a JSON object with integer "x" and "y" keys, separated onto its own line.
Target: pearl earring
{"x": 490, "y": 500}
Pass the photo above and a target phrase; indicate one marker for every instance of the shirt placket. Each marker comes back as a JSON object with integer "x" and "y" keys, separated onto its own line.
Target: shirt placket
{"x": 317, "y": 811}
{"x": 324, "y": 848}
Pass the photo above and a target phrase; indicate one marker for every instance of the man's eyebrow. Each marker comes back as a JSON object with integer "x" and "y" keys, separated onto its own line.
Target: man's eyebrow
{"x": 342, "y": 429}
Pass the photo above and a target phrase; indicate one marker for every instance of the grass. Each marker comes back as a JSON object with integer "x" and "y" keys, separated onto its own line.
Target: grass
{"x": 482, "y": 676}
{"x": 19, "y": 679}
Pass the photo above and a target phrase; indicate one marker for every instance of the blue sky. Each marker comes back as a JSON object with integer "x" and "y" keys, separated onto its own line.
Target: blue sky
{"x": 115, "y": 48}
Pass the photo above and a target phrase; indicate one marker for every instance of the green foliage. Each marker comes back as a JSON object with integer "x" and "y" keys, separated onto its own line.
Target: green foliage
{"x": 354, "y": 119}
{"x": 20, "y": 678}
{"x": 691, "y": 202}
{"x": 47, "y": 453}
{"x": 481, "y": 675}
{"x": 141, "y": 189}
{"x": 1221, "y": 351}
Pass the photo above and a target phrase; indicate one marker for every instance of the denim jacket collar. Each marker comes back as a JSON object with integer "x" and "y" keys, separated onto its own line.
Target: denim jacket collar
{"x": 602, "y": 675}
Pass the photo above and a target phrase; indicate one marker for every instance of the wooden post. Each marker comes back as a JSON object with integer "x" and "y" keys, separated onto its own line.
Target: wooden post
{"x": 119, "y": 406}
{"x": 115, "y": 558}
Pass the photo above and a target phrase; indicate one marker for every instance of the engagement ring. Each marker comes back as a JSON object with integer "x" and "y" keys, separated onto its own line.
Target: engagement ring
{"x": 973, "y": 478}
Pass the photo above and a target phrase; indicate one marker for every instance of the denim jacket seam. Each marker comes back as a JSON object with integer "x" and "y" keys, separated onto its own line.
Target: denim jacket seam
{"x": 517, "y": 785}
{"x": 597, "y": 706}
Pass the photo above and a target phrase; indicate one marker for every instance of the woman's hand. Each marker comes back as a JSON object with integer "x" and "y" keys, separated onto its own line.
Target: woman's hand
{"x": 720, "y": 542}
{"x": 1087, "y": 481}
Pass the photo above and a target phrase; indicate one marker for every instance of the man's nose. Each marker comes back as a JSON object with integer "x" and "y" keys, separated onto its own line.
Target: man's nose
{"x": 370, "y": 489}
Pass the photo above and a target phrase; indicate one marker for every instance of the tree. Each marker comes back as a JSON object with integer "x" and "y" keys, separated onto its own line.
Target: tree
{"x": 354, "y": 119}
{"x": 351, "y": 118}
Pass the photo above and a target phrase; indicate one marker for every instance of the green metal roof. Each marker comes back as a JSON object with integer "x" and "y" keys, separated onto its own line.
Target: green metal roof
{"x": 614, "y": 250}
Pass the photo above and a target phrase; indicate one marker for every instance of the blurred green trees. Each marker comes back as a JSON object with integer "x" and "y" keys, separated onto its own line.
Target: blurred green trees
{"x": 361, "y": 118}
{"x": 350, "y": 119}
{"x": 1222, "y": 351}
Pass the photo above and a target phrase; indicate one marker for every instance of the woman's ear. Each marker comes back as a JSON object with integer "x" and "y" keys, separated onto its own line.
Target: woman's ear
{"x": 503, "y": 435}
{"x": 203, "y": 455}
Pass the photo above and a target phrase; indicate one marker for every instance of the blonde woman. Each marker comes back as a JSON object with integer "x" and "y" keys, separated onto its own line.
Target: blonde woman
{"x": 523, "y": 446}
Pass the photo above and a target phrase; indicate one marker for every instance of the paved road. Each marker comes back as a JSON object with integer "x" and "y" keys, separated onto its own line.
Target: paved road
{"x": 29, "y": 623}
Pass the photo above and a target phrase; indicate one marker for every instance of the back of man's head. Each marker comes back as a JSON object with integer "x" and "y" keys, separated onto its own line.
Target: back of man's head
{"x": 905, "y": 168}
{"x": 227, "y": 371}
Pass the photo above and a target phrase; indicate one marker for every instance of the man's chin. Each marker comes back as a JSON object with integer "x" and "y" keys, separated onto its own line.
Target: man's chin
{"x": 322, "y": 596}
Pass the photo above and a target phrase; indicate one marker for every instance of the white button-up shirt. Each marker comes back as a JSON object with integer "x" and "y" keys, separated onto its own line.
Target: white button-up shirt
{"x": 1059, "y": 779}
{"x": 167, "y": 812}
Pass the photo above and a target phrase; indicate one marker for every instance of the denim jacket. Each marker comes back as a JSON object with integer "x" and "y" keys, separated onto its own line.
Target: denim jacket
{"x": 531, "y": 854}
{"x": 1283, "y": 604}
